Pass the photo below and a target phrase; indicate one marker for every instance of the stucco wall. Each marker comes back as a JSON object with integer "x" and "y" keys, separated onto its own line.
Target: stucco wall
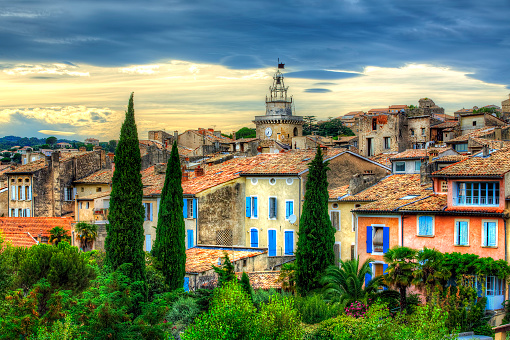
{"x": 363, "y": 222}
{"x": 346, "y": 236}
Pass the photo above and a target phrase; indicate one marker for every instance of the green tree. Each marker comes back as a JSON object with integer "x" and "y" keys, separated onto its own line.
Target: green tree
{"x": 226, "y": 271}
{"x": 333, "y": 127}
{"x": 16, "y": 158}
{"x": 112, "y": 145}
{"x": 51, "y": 141}
{"x": 169, "y": 247}
{"x": 86, "y": 233}
{"x": 400, "y": 272}
{"x": 246, "y": 133}
{"x": 245, "y": 283}
{"x": 316, "y": 234}
{"x": 309, "y": 125}
{"x": 347, "y": 282}
{"x": 125, "y": 234}
{"x": 430, "y": 273}
{"x": 59, "y": 234}
{"x": 489, "y": 110}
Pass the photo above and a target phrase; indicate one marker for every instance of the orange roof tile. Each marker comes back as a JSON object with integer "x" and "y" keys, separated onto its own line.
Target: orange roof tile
{"x": 19, "y": 239}
{"x": 34, "y": 225}
{"x": 383, "y": 159}
{"x": 410, "y": 154}
{"x": 201, "y": 259}
{"x": 101, "y": 176}
{"x": 431, "y": 203}
{"x": 495, "y": 165}
{"x": 263, "y": 280}
{"x": 338, "y": 192}
{"x": 475, "y": 133}
{"x": 445, "y": 125}
{"x": 391, "y": 185}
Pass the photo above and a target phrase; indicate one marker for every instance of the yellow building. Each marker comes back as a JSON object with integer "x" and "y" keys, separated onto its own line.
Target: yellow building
{"x": 92, "y": 197}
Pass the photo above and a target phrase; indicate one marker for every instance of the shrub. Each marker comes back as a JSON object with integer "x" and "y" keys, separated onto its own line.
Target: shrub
{"x": 261, "y": 296}
{"x": 184, "y": 310}
{"x": 231, "y": 316}
{"x": 314, "y": 309}
{"x": 278, "y": 319}
{"x": 60, "y": 330}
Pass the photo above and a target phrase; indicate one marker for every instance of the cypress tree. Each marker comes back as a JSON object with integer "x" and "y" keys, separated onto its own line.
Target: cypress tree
{"x": 125, "y": 234}
{"x": 169, "y": 247}
{"x": 316, "y": 234}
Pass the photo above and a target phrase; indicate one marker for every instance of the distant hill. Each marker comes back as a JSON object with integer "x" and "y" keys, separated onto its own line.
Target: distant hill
{"x": 8, "y": 142}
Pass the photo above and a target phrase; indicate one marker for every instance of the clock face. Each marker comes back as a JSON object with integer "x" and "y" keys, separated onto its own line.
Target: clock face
{"x": 269, "y": 132}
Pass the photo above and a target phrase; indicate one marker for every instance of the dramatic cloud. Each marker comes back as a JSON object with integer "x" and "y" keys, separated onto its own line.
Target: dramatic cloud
{"x": 56, "y": 133}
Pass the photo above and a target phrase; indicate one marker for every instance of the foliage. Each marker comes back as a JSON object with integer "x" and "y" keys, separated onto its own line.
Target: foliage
{"x": 169, "y": 247}
{"x": 333, "y": 127}
{"x": 231, "y": 316}
{"x": 87, "y": 234}
{"x": 278, "y": 319}
{"x": 431, "y": 272}
{"x": 346, "y": 283}
{"x": 356, "y": 309}
{"x": 261, "y": 296}
{"x": 64, "y": 266}
{"x": 314, "y": 309}
{"x": 226, "y": 271}
{"x": 60, "y": 330}
{"x": 125, "y": 234}
{"x": 400, "y": 271}
{"x": 287, "y": 277}
{"x": 489, "y": 110}
{"x": 58, "y": 234}
{"x": 182, "y": 313}
{"x": 309, "y": 125}
{"x": 246, "y": 133}
{"x": 245, "y": 283}
{"x": 470, "y": 264}
{"x": 155, "y": 281}
{"x": 51, "y": 141}
{"x": 316, "y": 234}
{"x": 16, "y": 158}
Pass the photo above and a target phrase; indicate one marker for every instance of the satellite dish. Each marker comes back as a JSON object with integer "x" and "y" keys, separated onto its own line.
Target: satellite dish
{"x": 292, "y": 218}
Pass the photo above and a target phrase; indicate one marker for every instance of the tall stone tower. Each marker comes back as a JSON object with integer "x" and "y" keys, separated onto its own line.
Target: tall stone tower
{"x": 279, "y": 124}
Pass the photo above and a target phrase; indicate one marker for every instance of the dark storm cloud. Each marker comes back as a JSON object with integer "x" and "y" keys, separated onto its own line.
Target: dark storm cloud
{"x": 317, "y": 90}
{"x": 468, "y": 35}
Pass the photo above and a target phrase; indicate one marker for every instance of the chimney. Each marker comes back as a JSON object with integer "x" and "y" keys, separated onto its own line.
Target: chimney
{"x": 201, "y": 130}
{"x": 160, "y": 169}
{"x": 110, "y": 155}
{"x": 485, "y": 150}
{"x": 432, "y": 154}
{"x": 210, "y": 163}
{"x": 184, "y": 176}
{"x": 176, "y": 135}
{"x": 497, "y": 133}
{"x": 82, "y": 149}
{"x": 210, "y": 130}
{"x": 233, "y": 135}
{"x": 199, "y": 171}
{"x": 186, "y": 159}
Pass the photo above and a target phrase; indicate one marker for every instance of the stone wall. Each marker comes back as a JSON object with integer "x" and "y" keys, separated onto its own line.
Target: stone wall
{"x": 415, "y": 126}
{"x": 505, "y": 105}
{"x": 282, "y": 132}
{"x": 4, "y": 197}
{"x": 393, "y": 126}
{"x": 151, "y": 155}
{"x": 221, "y": 210}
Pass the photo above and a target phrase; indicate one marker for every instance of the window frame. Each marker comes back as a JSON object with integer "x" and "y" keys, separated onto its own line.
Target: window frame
{"x": 461, "y": 187}
{"x": 396, "y": 165}
{"x": 275, "y": 207}
{"x": 288, "y": 218}
{"x": 418, "y": 226}
{"x": 382, "y": 226}
{"x": 456, "y": 233}
{"x": 387, "y": 143}
{"x": 339, "y": 221}
{"x": 252, "y": 208}
{"x": 484, "y": 235}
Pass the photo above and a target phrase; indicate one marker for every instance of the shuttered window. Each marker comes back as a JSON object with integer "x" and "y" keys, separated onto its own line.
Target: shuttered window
{"x": 425, "y": 226}
{"x": 461, "y": 233}
{"x": 272, "y": 207}
{"x": 335, "y": 219}
{"x": 489, "y": 234}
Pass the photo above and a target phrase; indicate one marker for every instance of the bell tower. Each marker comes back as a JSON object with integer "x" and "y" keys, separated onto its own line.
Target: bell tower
{"x": 279, "y": 124}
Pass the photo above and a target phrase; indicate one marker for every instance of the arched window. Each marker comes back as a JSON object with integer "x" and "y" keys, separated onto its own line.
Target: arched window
{"x": 295, "y": 132}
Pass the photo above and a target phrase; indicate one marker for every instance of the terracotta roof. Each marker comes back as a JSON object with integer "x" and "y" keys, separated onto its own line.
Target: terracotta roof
{"x": 393, "y": 202}
{"x": 101, "y": 177}
{"x": 383, "y": 159}
{"x": 398, "y": 107}
{"x": 346, "y": 138}
{"x": 34, "y": 225}
{"x": 153, "y": 143}
{"x": 495, "y": 165}
{"x": 338, "y": 192}
{"x": 201, "y": 259}
{"x": 29, "y": 167}
{"x": 94, "y": 196}
{"x": 211, "y": 136}
{"x": 183, "y": 151}
{"x": 475, "y": 133}
{"x": 244, "y": 140}
{"x": 411, "y": 154}
{"x": 493, "y": 144}
{"x": 390, "y": 185}
{"x": 431, "y": 203}
{"x": 263, "y": 280}
{"x": 450, "y": 158}
{"x": 19, "y": 239}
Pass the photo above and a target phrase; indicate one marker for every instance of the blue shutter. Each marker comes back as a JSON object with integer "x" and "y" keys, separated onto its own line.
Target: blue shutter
{"x": 190, "y": 238}
{"x": 369, "y": 239}
{"x": 291, "y": 205}
{"x": 150, "y": 211}
{"x": 422, "y": 226}
{"x": 386, "y": 239}
{"x": 254, "y": 238}
{"x": 271, "y": 242}
{"x": 194, "y": 208}
{"x": 287, "y": 210}
{"x": 289, "y": 243}
{"x": 368, "y": 277}
{"x": 255, "y": 208}
{"x": 463, "y": 233}
{"x": 430, "y": 225}
{"x": 275, "y": 205}
{"x": 385, "y": 267}
{"x": 185, "y": 208}
{"x": 186, "y": 284}
{"x": 148, "y": 245}
{"x": 248, "y": 206}
{"x": 491, "y": 226}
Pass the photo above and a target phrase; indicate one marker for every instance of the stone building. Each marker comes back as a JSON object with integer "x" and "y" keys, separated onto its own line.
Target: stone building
{"x": 209, "y": 140}
{"x": 279, "y": 123}
{"x": 45, "y": 188}
{"x": 474, "y": 121}
{"x": 383, "y": 133}
{"x": 420, "y": 130}
{"x": 163, "y": 137}
{"x": 92, "y": 141}
{"x": 505, "y": 105}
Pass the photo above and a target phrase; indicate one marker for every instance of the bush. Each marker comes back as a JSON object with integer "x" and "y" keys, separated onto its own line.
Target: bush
{"x": 314, "y": 309}
{"x": 65, "y": 330}
{"x": 231, "y": 316}
{"x": 183, "y": 311}
{"x": 261, "y": 296}
{"x": 279, "y": 320}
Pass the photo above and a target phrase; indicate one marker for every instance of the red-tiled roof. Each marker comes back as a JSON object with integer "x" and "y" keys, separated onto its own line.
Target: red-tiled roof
{"x": 263, "y": 280}
{"x": 475, "y": 133}
{"x": 100, "y": 177}
{"x": 94, "y": 196}
{"x": 383, "y": 159}
{"x": 200, "y": 259}
{"x": 390, "y": 185}
{"x": 34, "y": 225}
{"x": 19, "y": 239}
{"x": 211, "y": 136}
{"x": 495, "y": 165}
{"x": 338, "y": 192}
{"x": 431, "y": 203}
{"x": 29, "y": 167}
{"x": 410, "y": 154}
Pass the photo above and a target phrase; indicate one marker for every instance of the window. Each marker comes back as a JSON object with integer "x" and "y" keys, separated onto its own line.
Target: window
{"x": 272, "y": 207}
{"x": 335, "y": 219}
{"x": 252, "y": 210}
{"x": 87, "y": 205}
{"x": 289, "y": 181}
{"x": 423, "y": 131}
{"x": 378, "y": 239}
{"x": 352, "y": 251}
{"x": 148, "y": 244}
{"x": 336, "y": 250}
{"x": 189, "y": 208}
{"x": 425, "y": 226}
{"x": 400, "y": 166}
{"x": 68, "y": 194}
{"x": 417, "y": 165}
{"x": 289, "y": 209}
{"x": 461, "y": 233}
{"x": 81, "y": 205}
{"x": 461, "y": 147}
{"x": 82, "y": 189}
{"x": 374, "y": 124}
{"x": 444, "y": 186}
{"x": 412, "y": 132}
{"x": 387, "y": 142}
{"x": 98, "y": 189}
{"x": 272, "y": 181}
{"x": 474, "y": 122}
{"x": 20, "y": 193}
{"x": 489, "y": 238}
{"x": 494, "y": 286}
{"x": 148, "y": 211}
{"x": 477, "y": 193}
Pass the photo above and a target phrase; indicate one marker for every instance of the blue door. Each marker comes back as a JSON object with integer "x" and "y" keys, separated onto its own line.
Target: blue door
{"x": 148, "y": 244}
{"x": 190, "y": 238}
{"x": 254, "y": 238}
{"x": 289, "y": 242}
{"x": 271, "y": 236}
{"x": 186, "y": 284}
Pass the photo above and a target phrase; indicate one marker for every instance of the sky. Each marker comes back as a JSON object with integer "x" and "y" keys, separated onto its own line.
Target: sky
{"x": 67, "y": 68}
